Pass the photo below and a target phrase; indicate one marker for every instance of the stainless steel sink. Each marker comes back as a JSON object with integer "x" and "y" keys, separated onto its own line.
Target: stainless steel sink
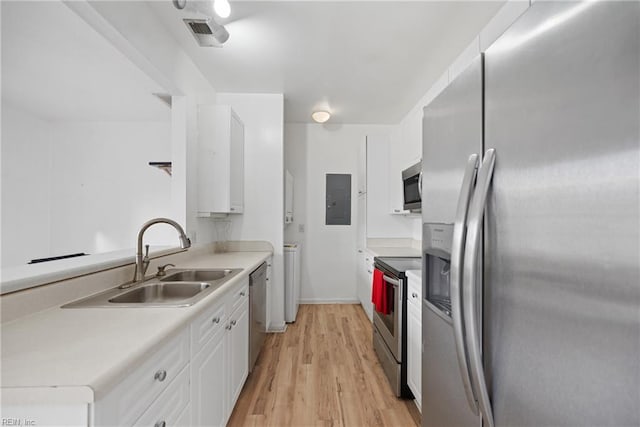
{"x": 161, "y": 293}
{"x": 180, "y": 288}
{"x": 197, "y": 275}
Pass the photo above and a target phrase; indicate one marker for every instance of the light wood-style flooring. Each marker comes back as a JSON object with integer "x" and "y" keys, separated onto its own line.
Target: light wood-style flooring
{"x": 321, "y": 372}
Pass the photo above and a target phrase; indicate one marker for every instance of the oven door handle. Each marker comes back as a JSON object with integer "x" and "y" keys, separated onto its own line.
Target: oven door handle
{"x": 394, "y": 282}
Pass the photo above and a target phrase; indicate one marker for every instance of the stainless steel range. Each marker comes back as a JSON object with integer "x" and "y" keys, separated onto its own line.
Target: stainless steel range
{"x": 389, "y": 329}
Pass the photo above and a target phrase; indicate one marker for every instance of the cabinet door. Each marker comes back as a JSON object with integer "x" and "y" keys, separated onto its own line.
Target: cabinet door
{"x": 238, "y": 351}
{"x": 208, "y": 386}
{"x": 236, "y": 193}
{"x": 414, "y": 351}
{"x": 366, "y": 271}
{"x": 220, "y": 160}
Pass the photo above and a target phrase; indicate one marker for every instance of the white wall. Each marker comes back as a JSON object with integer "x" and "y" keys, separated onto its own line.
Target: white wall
{"x": 102, "y": 188}
{"x": 148, "y": 44}
{"x": 410, "y": 138}
{"x": 80, "y": 186}
{"x": 263, "y": 217}
{"x": 328, "y": 252}
{"x": 26, "y": 164}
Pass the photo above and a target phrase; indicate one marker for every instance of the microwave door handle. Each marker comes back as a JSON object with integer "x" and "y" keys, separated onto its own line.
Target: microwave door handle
{"x": 420, "y": 185}
{"x": 470, "y": 292}
{"x": 456, "y": 271}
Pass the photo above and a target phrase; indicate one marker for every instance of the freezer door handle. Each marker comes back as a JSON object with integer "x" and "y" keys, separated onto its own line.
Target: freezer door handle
{"x": 457, "y": 253}
{"x": 470, "y": 291}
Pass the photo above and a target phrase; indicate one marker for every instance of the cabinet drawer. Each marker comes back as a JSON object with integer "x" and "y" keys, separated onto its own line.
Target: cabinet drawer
{"x": 239, "y": 294}
{"x": 166, "y": 410}
{"x": 206, "y": 325}
{"x": 129, "y": 399}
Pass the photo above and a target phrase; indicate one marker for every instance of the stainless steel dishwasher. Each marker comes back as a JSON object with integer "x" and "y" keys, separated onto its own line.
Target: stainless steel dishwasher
{"x": 257, "y": 312}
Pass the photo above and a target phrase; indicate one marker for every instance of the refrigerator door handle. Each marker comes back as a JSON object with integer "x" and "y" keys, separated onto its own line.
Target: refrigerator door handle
{"x": 470, "y": 284}
{"x": 457, "y": 253}
{"x": 420, "y": 185}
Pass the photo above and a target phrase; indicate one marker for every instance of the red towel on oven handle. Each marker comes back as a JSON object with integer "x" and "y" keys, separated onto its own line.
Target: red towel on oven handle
{"x": 379, "y": 292}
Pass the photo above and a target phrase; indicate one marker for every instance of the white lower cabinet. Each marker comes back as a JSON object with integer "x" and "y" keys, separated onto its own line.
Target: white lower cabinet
{"x": 167, "y": 409}
{"x": 221, "y": 366}
{"x": 184, "y": 420}
{"x": 238, "y": 351}
{"x": 365, "y": 280}
{"x": 414, "y": 337}
{"x": 136, "y": 394}
{"x": 194, "y": 379}
{"x": 414, "y": 356}
{"x": 208, "y": 369}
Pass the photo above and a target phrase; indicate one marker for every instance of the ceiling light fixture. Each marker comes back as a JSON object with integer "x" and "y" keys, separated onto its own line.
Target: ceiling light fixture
{"x": 222, "y": 8}
{"x": 320, "y": 116}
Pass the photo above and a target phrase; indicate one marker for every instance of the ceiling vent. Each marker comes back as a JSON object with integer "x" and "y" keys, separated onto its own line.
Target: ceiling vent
{"x": 207, "y": 32}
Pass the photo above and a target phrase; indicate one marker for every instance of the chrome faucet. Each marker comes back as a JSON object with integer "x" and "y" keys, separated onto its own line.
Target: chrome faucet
{"x": 143, "y": 262}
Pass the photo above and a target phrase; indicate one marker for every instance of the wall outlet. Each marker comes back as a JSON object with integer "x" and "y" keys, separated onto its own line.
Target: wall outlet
{"x": 301, "y": 228}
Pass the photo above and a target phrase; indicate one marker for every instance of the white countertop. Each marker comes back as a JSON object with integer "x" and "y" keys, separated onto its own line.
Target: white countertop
{"x": 397, "y": 251}
{"x": 78, "y": 355}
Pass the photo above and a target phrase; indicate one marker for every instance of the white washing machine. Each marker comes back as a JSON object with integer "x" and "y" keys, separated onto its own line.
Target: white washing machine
{"x": 291, "y": 281}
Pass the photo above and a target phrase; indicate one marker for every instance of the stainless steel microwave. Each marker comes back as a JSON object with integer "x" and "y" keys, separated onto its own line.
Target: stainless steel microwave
{"x": 412, "y": 187}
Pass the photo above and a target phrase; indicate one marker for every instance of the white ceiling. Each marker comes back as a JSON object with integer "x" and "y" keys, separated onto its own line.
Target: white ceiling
{"x": 58, "y": 68}
{"x": 366, "y": 61}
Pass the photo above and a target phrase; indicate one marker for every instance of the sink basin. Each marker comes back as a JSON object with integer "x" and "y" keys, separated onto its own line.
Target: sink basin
{"x": 180, "y": 288}
{"x": 197, "y": 275}
{"x": 161, "y": 293}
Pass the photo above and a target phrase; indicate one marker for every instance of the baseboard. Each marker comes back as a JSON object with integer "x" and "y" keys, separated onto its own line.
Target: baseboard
{"x": 329, "y": 301}
{"x": 277, "y": 328}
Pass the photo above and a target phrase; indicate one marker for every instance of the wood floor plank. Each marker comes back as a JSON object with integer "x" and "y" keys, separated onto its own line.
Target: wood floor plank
{"x": 321, "y": 372}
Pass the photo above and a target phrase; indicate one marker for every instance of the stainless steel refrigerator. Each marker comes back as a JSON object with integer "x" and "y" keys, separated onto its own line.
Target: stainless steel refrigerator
{"x": 531, "y": 211}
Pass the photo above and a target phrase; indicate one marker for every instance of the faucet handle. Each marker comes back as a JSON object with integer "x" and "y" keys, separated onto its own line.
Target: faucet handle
{"x": 146, "y": 251}
{"x": 161, "y": 268}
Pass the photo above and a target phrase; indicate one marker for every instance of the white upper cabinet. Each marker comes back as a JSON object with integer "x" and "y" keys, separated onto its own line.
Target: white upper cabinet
{"x": 379, "y": 222}
{"x": 398, "y": 161}
{"x": 220, "y": 160}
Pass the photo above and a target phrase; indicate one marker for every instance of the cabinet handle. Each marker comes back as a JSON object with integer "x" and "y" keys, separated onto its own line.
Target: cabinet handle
{"x": 359, "y": 251}
{"x": 160, "y": 375}
{"x": 370, "y": 272}
{"x": 243, "y": 293}
{"x": 233, "y": 323}
{"x": 233, "y": 209}
{"x": 413, "y": 294}
{"x": 215, "y": 320}
{"x": 160, "y": 424}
